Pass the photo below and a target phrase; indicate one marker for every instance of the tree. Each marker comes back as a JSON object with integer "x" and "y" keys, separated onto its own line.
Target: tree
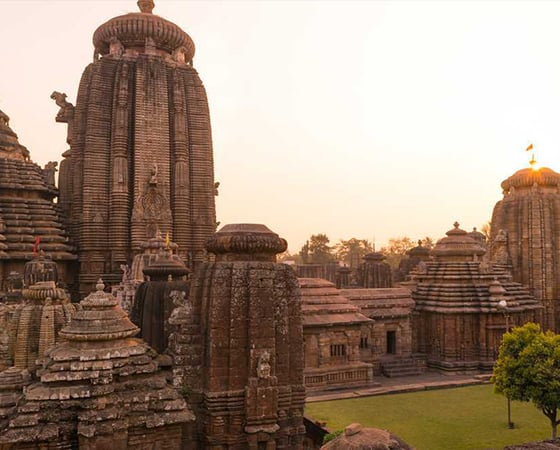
{"x": 528, "y": 369}
{"x": 397, "y": 248}
{"x": 287, "y": 256}
{"x": 352, "y": 251}
{"x": 317, "y": 250}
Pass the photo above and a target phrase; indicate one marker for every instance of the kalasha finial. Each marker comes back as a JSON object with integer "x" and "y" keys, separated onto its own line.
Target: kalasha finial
{"x": 100, "y": 286}
{"x": 456, "y": 224}
{"x": 146, "y": 6}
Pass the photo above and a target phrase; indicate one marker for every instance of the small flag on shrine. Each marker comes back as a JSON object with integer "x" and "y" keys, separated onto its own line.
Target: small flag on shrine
{"x": 36, "y": 245}
{"x": 529, "y": 148}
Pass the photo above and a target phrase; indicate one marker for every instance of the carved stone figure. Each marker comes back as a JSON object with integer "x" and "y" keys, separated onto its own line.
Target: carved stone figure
{"x": 116, "y": 48}
{"x": 49, "y": 171}
{"x": 263, "y": 366}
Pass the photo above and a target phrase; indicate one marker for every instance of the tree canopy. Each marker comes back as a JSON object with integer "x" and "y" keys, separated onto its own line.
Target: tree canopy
{"x": 528, "y": 369}
{"x": 317, "y": 250}
{"x": 352, "y": 251}
{"x": 397, "y": 248}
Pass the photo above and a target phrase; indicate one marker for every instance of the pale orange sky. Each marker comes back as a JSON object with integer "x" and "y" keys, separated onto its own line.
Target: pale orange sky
{"x": 355, "y": 119}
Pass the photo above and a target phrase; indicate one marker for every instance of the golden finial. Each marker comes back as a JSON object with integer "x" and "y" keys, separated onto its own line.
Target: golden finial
{"x": 167, "y": 241}
{"x": 146, "y": 6}
{"x": 533, "y": 161}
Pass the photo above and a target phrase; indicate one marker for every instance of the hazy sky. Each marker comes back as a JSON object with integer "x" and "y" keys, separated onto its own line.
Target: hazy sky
{"x": 355, "y": 119}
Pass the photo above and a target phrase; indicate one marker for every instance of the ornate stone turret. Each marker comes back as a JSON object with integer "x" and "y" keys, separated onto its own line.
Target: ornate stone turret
{"x": 153, "y": 302}
{"x": 99, "y": 389}
{"x": 40, "y": 268}
{"x": 34, "y": 325}
{"x": 27, "y": 211}
{"x": 525, "y": 228}
{"x": 141, "y": 148}
{"x": 415, "y": 256}
{"x": 459, "y": 324}
{"x": 374, "y": 272}
{"x": 246, "y": 369}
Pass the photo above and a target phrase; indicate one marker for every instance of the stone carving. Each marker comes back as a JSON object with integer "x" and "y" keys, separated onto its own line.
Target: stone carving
{"x": 65, "y": 113}
{"x": 126, "y": 276}
{"x": 66, "y": 108}
{"x": 216, "y": 187}
{"x": 116, "y": 48}
{"x": 49, "y": 171}
{"x": 263, "y": 365}
{"x": 500, "y": 253}
{"x": 154, "y": 175}
{"x": 179, "y": 55}
{"x": 4, "y": 119}
{"x": 150, "y": 46}
{"x": 146, "y": 6}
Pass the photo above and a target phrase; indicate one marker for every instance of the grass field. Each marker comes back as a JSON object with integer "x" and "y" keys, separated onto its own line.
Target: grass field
{"x": 467, "y": 418}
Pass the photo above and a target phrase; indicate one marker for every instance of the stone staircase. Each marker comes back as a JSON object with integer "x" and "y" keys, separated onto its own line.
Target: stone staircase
{"x": 403, "y": 366}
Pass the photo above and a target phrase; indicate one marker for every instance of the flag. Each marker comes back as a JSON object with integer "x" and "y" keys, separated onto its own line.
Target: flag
{"x": 36, "y": 245}
{"x": 529, "y": 148}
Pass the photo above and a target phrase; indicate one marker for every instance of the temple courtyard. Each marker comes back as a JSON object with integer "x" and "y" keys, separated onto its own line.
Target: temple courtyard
{"x": 468, "y": 417}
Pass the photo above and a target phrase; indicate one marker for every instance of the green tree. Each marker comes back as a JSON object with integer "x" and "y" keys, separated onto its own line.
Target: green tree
{"x": 528, "y": 369}
{"x": 317, "y": 250}
{"x": 352, "y": 250}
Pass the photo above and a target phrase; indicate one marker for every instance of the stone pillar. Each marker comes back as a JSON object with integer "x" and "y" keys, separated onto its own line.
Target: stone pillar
{"x": 248, "y": 388}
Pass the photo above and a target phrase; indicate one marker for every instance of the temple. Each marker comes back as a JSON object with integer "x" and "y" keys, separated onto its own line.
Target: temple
{"x": 28, "y": 216}
{"x": 140, "y": 157}
{"x": 181, "y": 337}
{"x": 525, "y": 228}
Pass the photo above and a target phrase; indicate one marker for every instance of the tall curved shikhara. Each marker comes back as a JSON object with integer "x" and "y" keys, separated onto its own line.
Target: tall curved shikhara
{"x": 526, "y": 235}
{"x": 140, "y": 157}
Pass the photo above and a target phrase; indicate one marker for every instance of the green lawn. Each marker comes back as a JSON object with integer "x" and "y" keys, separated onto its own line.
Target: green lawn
{"x": 467, "y": 418}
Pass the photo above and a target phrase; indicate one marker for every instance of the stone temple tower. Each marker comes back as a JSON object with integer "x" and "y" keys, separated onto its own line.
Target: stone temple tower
{"x": 140, "y": 157}
{"x": 526, "y": 235}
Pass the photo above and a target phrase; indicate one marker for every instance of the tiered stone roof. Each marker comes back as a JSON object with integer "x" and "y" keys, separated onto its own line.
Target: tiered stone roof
{"x": 26, "y": 207}
{"x": 323, "y": 305}
{"x": 99, "y": 383}
{"x": 9, "y": 144}
{"x": 381, "y": 303}
{"x": 457, "y": 281}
